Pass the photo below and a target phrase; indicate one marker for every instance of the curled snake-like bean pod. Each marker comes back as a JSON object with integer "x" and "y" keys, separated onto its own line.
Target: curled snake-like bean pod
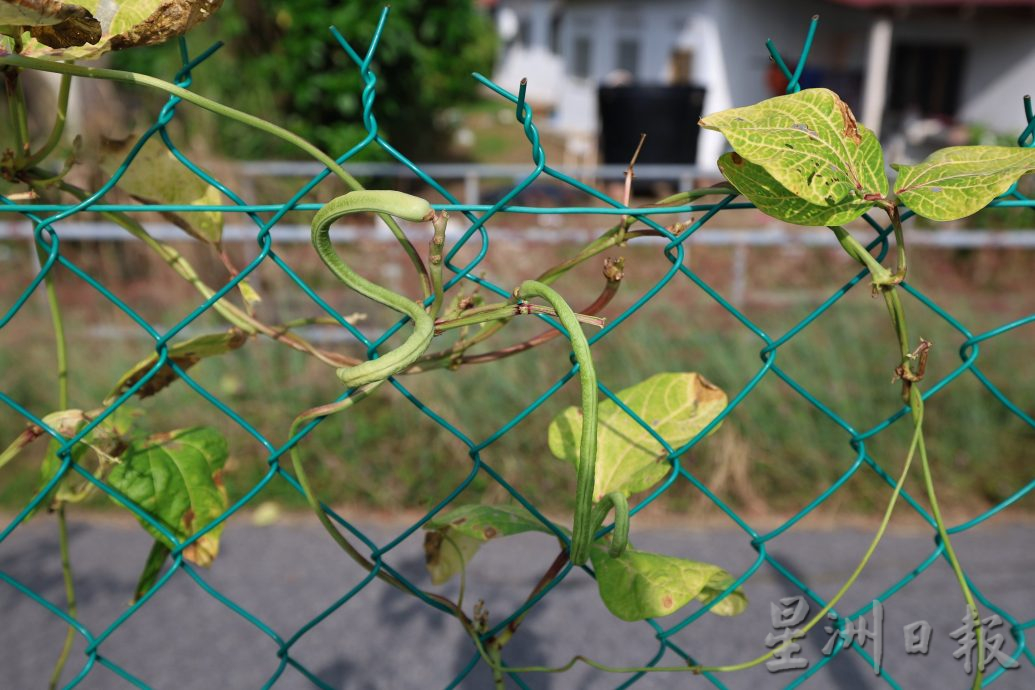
{"x": 583, "y": 528}
{"x": 400, "y": 205}
{"x": 620, "y": 538}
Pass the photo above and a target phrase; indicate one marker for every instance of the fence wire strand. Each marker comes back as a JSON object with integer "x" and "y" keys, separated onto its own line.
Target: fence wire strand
{"x": 47, "y": 220}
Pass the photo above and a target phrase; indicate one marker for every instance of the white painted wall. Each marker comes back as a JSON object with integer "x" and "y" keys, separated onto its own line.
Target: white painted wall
{"x": 728, "y": 37}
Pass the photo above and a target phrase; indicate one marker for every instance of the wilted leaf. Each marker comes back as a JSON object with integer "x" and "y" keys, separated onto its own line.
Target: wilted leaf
{"x": 446, "y": 554}
{"x": 40, "y": 12}
{"x": 810, "y": 143}
{"x": 156, "y": 176}
{"x": 129, "y": 23}
{"x": 639, "y": 584}
{"x": 185, "y": 354}
{"x": 107, "y": 441}
{"x": 960, "y": 180}
{"x": 629, "y": 459}
{"x": 65, "y": 422}
{"x": 52, "y": 23}
{"x": 773, "y": 199}
{"x": 455, "y": 537}
{"x": 175, "y": 477}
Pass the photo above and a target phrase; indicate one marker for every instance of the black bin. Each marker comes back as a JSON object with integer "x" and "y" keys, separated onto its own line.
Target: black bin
{"x": 667, "y": 114}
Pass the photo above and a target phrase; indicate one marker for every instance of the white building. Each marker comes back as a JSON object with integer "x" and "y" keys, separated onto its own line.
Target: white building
{"x": 939, "y": 61}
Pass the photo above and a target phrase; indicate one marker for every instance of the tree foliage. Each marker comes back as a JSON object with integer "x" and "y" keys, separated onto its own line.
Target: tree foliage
{"x": 280, "y": 61}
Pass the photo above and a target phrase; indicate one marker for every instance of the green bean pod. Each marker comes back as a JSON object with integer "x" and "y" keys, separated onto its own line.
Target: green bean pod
{"x": 582, "y": 529}
{"x": 407, "y": 207}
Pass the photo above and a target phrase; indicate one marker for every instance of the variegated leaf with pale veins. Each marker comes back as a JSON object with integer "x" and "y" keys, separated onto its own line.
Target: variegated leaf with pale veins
{"x": 961, "y": 180}
{"x": 773, "y": 199}
{"x": 810, "y": 143}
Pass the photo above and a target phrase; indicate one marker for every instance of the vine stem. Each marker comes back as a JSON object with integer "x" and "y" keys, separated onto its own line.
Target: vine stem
{"x": 235, "y": 316}
{"x": 950, "y": 552}
{"x": 61, "y": 347}
{"x": 614, "y": 236}
{"x": 17, "y": 114}
{"x": 232, "y": 114}
{"x": 58, "y": 129}
{"x": 911, "y": 394}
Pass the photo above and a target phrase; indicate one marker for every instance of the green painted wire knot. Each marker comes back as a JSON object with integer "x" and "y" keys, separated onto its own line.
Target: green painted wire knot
{"x": 400, "y": 205}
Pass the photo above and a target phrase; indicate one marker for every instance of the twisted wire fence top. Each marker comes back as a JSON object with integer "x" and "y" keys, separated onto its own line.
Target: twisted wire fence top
{"x": 476, "y": 238}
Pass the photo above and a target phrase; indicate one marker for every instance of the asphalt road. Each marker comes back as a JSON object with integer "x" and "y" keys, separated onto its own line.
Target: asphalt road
{"x": 288, "y": 573}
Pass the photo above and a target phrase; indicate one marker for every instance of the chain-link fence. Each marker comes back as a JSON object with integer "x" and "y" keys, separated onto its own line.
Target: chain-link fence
{"x": 477, "y": 239}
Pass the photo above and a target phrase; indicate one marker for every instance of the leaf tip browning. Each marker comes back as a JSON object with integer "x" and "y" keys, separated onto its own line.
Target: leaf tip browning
{"x": 851, "y": 130}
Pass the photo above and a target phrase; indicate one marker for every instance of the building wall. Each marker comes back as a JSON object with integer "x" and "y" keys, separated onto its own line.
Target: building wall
{"x": 999, "y": 67}
{"x": 727, "y": 40}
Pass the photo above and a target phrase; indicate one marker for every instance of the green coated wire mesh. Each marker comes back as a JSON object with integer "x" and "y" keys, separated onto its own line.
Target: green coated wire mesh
{"x": 47, "y": 222}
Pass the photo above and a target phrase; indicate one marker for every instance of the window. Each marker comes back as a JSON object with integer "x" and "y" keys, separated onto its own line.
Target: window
{"x": 524, "y": 35}
{"x": 555, "y": 31}
{"x": 627, "y": 56}
{"x": 582, "y": 54}
{"x": 926, "y": 79}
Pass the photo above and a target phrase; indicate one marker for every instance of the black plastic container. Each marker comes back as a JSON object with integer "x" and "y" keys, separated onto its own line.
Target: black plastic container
{"x": 667, "y": 114}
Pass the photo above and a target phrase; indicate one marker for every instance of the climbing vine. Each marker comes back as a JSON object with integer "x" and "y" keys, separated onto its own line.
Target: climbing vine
{"x": 801, "y": 158}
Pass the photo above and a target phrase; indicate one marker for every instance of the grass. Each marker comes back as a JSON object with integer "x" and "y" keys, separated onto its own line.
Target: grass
{"x": 776, "y": 452}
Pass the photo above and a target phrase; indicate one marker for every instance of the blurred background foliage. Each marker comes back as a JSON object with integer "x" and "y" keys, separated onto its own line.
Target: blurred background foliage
{"x": 280, "y": 61}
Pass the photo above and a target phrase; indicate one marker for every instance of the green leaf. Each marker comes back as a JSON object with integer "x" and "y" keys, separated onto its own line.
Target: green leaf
{"x": 810, "y": 143}
{"x": 152, "y": 570}
{"x": 961, "y": 180}
{"x": 175, "y": 477}
{"x": 773, "y": 199}
{"x": 640, "y": 584}
{"x": 734, "y": 603}
{"x": 156, "y": 176}
{"x": 629, "y": 459}
{"x": 455, "y": 537}
{"x": 185, "y": 354}
{"x": 126, "y": 24}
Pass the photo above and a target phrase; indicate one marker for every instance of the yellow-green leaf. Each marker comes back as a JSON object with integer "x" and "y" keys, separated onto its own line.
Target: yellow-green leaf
{"x": 773, "y": 199}
{"x": 733, "y": 604}
{"x": 249, "y": 294}
{"x": 629, "y": 459}
{"x": 175, "y": 478}
{"x": 961, "y": 180}
{"x": 156, "y": 176}
{"x": 810, "y": 143}
{"x": 640, "y": 584}
{"x": 454, "y": 538}
{"x": 446, "y": 554}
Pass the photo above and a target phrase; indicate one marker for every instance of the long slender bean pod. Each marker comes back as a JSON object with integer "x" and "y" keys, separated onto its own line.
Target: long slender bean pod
{"x": 396, "y": 204}
{"x": 582, "y": 529}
